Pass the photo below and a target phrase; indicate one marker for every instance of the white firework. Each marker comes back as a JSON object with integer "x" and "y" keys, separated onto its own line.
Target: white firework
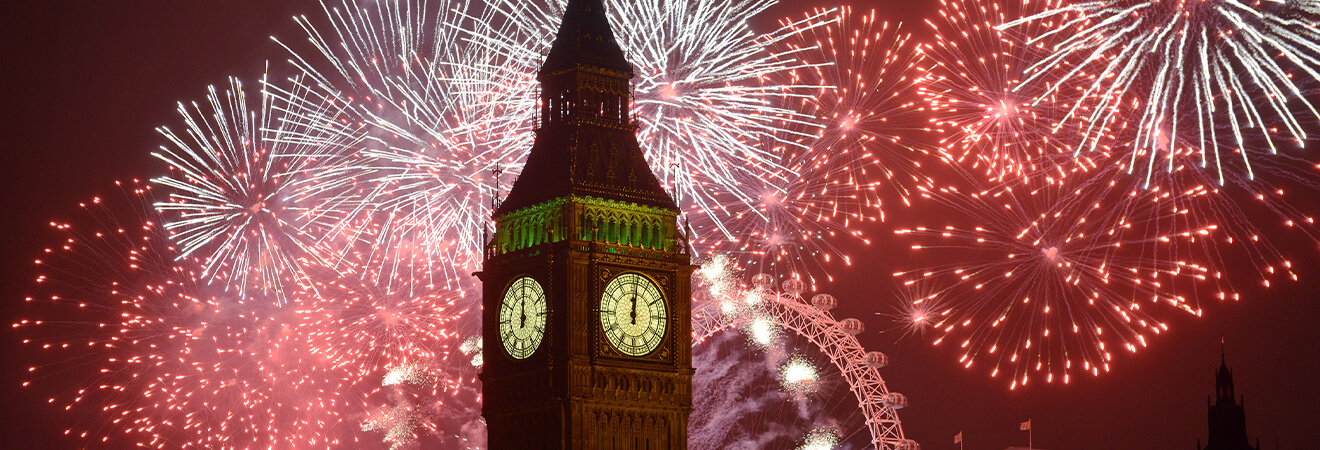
{"x": 235, "y": 170}
{"x": 1230, "y": 77}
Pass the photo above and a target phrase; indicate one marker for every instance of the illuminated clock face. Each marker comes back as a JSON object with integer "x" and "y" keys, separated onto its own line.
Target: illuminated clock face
{"x": 633, "y": 314}
{"x": 522, "y": 318}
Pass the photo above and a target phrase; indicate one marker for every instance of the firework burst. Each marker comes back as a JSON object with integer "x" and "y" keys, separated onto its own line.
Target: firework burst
{"x": 437, "y": 135}
{"x": 825, "y": 187}
{"x": 141, "y": 351}
{"x": 914, "y": 311}
{"x": 820, "y": 439}
{"x": 234, "y": 173}
{"x": 383, "y": 314}
{"x": 413, "y": 412}
{"x": 1222, "y": 74}
{"x": 799, "y": 376}
{"x": 864, "y": 107}
{"x": 972, "y": 86}
{"x": 1051, "y": 281}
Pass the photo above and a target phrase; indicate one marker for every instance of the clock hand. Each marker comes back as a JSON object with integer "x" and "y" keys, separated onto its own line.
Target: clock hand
{"x": 522, "y": 312}
{"x": 633, "y": 313}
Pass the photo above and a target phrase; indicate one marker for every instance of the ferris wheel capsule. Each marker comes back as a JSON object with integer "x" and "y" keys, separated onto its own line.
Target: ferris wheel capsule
{"x": 824, "y": 302}
{"x": 794, "y": 287}
{"x": 852, "y": 326}
{"x": 905, "y": 444}
{"x": 763, "y": 281}
{"x": 876, "y": 360}
{"x": 894, "y": 400}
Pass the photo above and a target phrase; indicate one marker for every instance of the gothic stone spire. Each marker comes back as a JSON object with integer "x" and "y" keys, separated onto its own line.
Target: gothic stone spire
{"x": 586, "y": 143}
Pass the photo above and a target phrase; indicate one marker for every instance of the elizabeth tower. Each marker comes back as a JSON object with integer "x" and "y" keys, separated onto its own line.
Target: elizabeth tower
{"x": 586, "y": 281}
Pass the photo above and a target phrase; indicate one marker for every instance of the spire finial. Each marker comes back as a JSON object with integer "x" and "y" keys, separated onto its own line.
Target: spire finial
{"x": 1222, "y": 358}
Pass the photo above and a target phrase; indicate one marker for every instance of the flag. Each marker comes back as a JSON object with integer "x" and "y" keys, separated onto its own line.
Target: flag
{"x": 958, "y": 438}
{"x": 1025, "y": 426}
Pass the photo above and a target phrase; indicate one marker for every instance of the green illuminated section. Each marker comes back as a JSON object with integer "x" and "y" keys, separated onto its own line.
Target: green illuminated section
{"x": 586, "y": 219}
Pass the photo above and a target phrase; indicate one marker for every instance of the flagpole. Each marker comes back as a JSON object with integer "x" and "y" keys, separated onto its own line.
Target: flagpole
{"x": 1030, "y": 445}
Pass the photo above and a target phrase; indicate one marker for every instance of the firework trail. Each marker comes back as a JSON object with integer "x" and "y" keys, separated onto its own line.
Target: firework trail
{"x": 985, "y": 116}
{"x": 234, "y": 174}
{"x": 1050, "y": 281}
{"x": 139, "y": 349}
{"x": 1223, "y": 75}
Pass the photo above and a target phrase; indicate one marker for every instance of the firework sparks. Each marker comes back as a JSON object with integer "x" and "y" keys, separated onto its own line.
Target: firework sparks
{"x": 826, "y": 186}
{"x": 914, "y": 311}
{"x": 972, "y": 85}
{"x": 183, "y": 366}
{"x": 380, "y": 320}
{"x": 799, "y": 376}
{"x": 864, "y": 107}
{"x": 409, "y": 414}
{"x": 820, "y": 439}
{"x": 1051, "y": 281}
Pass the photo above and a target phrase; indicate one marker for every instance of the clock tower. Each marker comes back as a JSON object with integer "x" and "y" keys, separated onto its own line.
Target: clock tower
{"x": 586, "y": 281}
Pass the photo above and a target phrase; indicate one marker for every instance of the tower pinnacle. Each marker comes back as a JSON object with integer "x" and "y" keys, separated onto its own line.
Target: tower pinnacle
{"x": 585, "y": 39}
{"x": 586, "y": 144}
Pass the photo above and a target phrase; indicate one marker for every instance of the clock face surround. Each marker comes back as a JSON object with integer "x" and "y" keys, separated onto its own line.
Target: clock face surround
{"x": 522, "y": 317}
{"x": 633, "y": 314}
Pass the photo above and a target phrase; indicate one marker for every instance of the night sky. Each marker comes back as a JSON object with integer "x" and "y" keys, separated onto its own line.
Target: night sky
{"x": 88, "y": 82}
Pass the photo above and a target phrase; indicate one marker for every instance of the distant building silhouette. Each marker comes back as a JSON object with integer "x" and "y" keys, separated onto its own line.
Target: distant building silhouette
{"x": 1228, "y": 420}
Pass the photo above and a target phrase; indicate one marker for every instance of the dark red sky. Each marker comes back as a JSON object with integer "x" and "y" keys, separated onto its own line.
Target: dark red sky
{"x": 87, "y": 83}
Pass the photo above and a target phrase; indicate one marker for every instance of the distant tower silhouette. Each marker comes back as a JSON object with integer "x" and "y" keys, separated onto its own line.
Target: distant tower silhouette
{"x": 1228, "y": 420}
